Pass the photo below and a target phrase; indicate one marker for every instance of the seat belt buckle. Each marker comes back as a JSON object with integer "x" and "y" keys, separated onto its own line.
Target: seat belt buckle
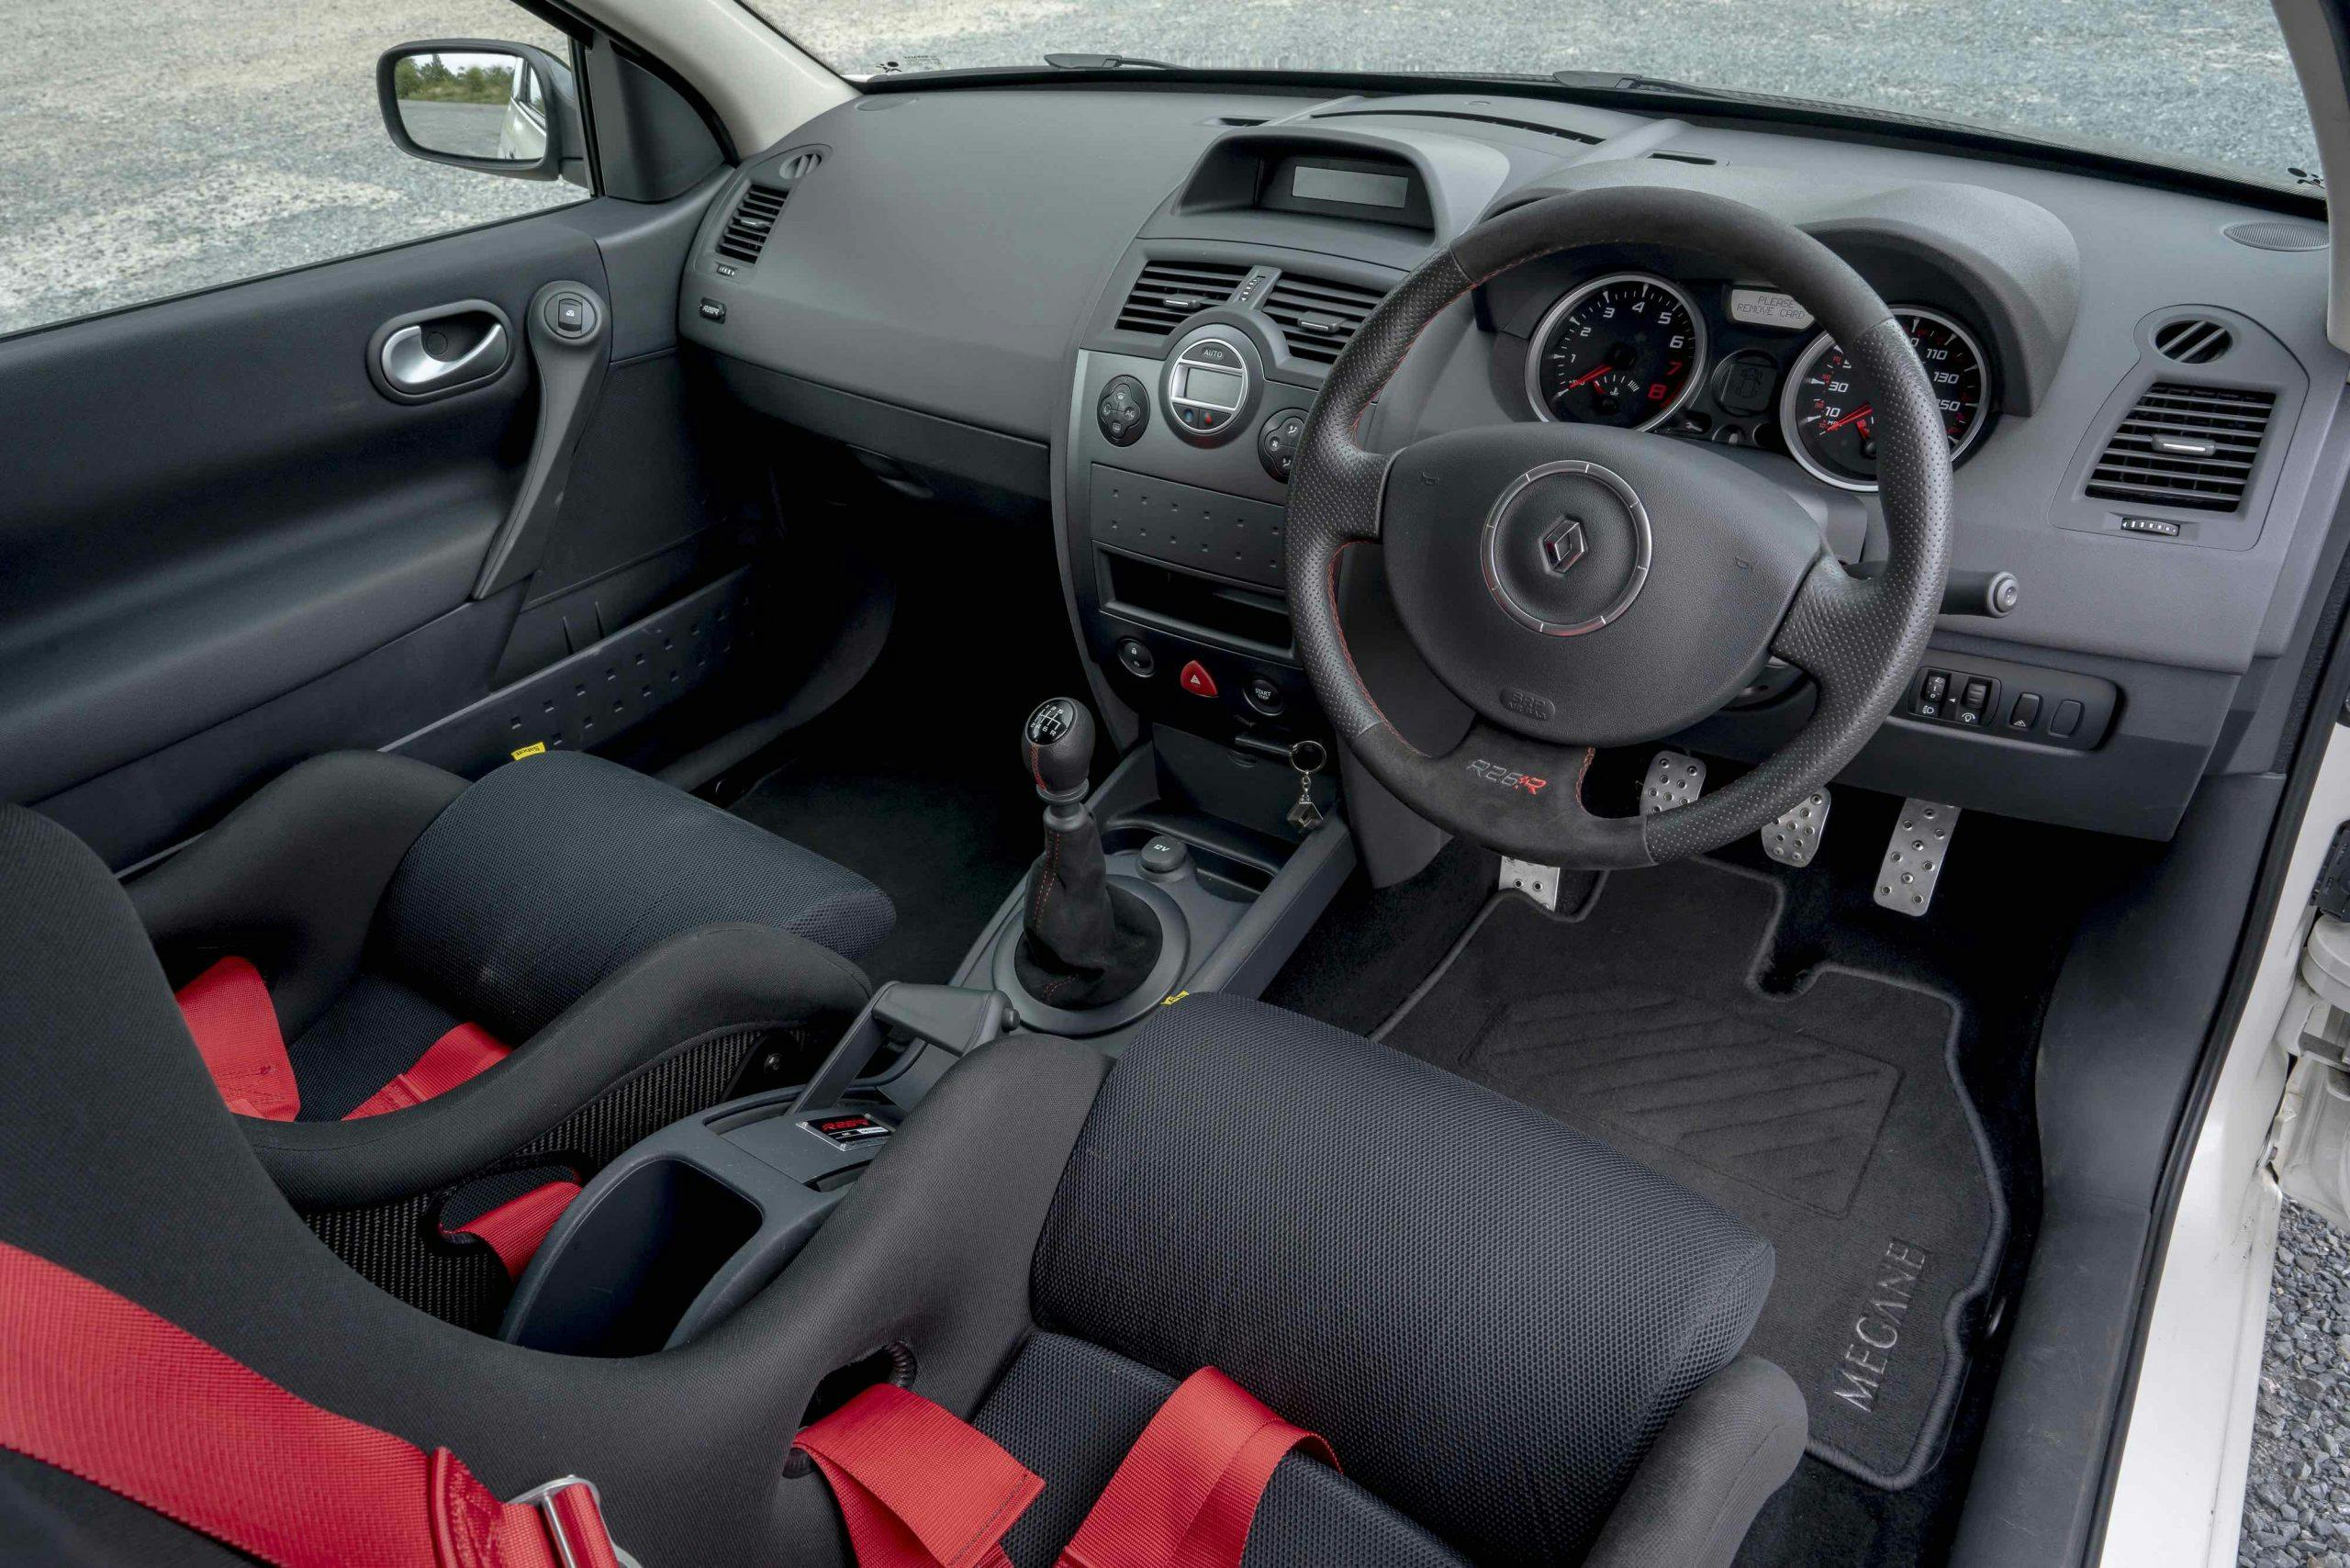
{"x": 573, "y": 1512}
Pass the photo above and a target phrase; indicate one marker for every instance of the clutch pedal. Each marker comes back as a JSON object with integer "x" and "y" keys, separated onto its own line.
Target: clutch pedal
{"x": 1794, "y": 839}
{"x": 1915, "y": 855}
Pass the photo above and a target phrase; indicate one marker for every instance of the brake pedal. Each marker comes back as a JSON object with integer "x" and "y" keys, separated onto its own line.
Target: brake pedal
{"x": 1915, "y": 855}
{"x": 1675, "y": 779}
{"x": 1537, "y": 881}
{"x": 1794, "y": 839}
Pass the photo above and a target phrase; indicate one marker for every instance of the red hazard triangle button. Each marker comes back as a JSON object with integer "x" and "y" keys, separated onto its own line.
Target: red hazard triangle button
{"x": 1196, "y": 679}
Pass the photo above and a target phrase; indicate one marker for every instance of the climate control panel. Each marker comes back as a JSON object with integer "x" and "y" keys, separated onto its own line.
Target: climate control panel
{"x": 1212, "y": 385}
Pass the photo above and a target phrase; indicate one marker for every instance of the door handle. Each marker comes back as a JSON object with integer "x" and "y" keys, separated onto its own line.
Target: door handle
{"x": 435, "y": 353}
{"x": 411, "y": 363}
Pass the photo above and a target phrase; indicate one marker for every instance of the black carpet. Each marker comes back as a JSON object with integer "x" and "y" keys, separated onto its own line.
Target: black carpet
{"x": 1829, "y": 1118}
{"x": 914, "y": 780}
{"x": 945, "y": 850}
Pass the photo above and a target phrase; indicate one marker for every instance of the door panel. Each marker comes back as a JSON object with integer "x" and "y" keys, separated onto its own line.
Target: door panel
{"x": 227, "y": 548}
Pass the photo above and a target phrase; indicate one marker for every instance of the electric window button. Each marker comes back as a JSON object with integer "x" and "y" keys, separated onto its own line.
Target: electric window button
{"x": 2067, "y": 721}
{"x": 1195, "y": 679}
{"x": 1135, "y": 654}
{"x": 2026, "y": 712}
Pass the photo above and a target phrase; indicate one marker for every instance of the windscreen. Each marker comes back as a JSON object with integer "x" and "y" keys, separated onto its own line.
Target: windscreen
{"x": 2200, "y": 81}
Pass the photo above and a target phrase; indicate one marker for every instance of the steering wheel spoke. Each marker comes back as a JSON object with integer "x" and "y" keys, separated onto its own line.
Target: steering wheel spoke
{"x": 1815, "y": 635}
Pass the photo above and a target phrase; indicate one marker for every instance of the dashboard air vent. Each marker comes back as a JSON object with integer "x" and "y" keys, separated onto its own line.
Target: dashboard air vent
{"x": 1319, "y": 316}
{"x": 2192, "y": 339}
{"x": 1167, "y": 292}
{"x": 2185, "y": 447}
{"x": 746, "y": 230}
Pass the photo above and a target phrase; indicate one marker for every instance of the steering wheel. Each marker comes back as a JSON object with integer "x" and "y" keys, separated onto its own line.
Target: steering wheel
{"x": 1580, "y": 585}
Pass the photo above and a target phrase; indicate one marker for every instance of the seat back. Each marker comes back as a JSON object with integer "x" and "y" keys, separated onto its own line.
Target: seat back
{"x": 551, "y": 872}
{"x": 1489, "y": 1314}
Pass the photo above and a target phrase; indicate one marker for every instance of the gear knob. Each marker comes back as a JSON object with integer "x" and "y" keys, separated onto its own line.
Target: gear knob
{"x": 1057, "y": 746}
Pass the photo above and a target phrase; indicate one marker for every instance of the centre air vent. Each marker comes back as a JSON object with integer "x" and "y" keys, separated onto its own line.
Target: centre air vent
{"x": 2185, "y": 447}
{"x": 1319, "y": 316}
{"x": 1167, "y": 293}
{"x": 2192, "y": 339}
{"x": 746, "y": 230}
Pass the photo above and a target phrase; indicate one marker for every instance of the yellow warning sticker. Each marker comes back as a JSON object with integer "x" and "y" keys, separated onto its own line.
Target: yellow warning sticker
{"x": 531, "y": 750}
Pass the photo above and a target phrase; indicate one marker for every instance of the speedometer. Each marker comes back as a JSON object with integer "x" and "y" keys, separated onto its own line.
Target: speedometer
{"x": 1829, "y": 417}
{"x": 1625, "y": 350}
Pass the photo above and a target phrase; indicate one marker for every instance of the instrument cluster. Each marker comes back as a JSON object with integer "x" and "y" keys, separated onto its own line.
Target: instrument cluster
{"x": 1741, "y": 365}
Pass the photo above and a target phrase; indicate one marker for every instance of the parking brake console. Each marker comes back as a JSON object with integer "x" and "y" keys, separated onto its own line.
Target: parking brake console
{"x": 1083, "y": 943}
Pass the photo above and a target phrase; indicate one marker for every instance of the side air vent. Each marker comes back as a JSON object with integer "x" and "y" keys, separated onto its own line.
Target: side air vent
{"x": 1167, "y": 292}
{"x": 1319, "y": 316}
{"x": 746, "y": 230}
{"x": 2185, "y": 447}
{"x": 799, "y": 166}
{"x": 2192, "y": 340}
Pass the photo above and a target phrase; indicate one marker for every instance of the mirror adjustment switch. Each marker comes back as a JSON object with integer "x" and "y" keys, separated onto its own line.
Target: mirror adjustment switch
{"x": 1123, "y": 412}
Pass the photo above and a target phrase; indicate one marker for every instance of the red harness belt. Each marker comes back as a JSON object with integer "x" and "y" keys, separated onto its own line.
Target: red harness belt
{"x": 234, "y": 1023}
{"x": 102, "y": 1388}
{"x": 98, "y": 1386}
{"x": 918, "y": 1488}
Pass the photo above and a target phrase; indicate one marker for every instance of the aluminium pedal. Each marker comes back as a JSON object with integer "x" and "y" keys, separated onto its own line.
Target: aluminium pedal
{"x": 1794, "y": 839}
{"x": 1537, "y": 881}
{"x": 1675, "y": 779}
{"x": 1915, "y": 855}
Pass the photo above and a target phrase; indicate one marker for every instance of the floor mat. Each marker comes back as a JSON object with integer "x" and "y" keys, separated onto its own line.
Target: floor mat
{"x": 1830, "y": 1119}
{"x": 945, "y": 850}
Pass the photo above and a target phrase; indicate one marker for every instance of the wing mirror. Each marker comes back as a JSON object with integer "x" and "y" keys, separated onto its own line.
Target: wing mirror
{"x": 499, "y": 108}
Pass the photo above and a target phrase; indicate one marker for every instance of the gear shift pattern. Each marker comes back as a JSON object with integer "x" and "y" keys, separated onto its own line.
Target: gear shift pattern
{"x": 1084, "y": 942}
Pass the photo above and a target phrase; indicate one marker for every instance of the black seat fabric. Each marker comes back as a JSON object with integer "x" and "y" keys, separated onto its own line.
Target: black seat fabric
{"x": 386, "y": 903}
{"x": 1509, "y": 1335}
{"x": 1399, "y": 1259}
{"x": 550, "y": 873}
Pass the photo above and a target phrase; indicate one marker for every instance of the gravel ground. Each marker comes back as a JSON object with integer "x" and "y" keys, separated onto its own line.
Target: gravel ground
{"x": 2202, "y": 77}
{"x": 147, "y": 149}
{"x": 2296, "y": 1505}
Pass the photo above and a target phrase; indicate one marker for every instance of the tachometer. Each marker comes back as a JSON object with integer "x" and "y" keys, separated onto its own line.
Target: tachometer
{"x": 1830, "y": 423}
{"x": 1623, "y": 350}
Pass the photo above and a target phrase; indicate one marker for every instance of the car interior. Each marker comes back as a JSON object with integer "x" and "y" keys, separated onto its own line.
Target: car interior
{"x": 1566, "y": 778}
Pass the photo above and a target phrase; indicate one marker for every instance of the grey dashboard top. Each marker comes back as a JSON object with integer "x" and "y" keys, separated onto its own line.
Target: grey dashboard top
{"x": 956, "y": 249}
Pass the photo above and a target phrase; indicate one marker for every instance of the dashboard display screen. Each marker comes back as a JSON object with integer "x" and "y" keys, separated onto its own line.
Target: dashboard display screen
{"x": 1314, "y": 183}
{"x": 1767, "y": 307}
{"x": 1220, "y": 387}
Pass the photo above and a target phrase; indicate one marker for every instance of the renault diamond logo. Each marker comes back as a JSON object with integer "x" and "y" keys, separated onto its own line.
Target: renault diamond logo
{"x": 1564, "y": 545}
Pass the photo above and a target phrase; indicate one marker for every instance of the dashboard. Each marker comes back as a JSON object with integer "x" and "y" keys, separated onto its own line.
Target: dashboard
{"x": 2135, "y": 383}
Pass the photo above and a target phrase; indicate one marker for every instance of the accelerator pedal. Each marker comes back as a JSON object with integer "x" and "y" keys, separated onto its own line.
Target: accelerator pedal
{"x": 1675, "y": 779}
{"x": 1794, "y": 839}
{"x": 1915, "y": 855}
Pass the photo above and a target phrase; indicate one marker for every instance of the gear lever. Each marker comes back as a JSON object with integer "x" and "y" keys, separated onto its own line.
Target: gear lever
{"x": 1084, "y": 941}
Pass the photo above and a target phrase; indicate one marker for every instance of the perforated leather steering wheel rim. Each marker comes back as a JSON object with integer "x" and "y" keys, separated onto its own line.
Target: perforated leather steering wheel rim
{"x": 1860, "y": 639}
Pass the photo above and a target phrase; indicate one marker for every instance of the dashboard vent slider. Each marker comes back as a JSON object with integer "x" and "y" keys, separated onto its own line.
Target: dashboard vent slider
{"x": 2185, "y": 447}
